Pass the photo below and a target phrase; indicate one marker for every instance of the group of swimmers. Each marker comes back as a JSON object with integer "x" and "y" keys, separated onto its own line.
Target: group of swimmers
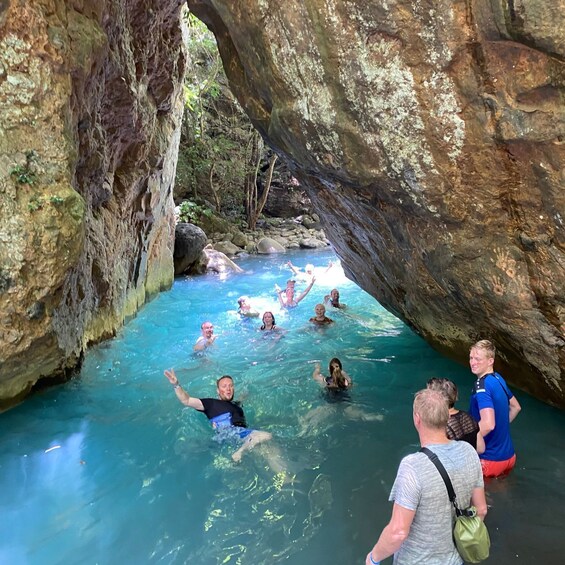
{"x": 226, "y": 414}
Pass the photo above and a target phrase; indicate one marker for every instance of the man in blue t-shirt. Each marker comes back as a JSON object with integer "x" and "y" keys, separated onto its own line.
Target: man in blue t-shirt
{"x": 494, "y": 406}
{"x": 222, "y": 412}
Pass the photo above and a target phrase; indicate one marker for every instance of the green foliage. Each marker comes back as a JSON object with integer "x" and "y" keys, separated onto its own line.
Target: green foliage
{"x": 56, "y": 200}
{"x": 192, "y": 212}
{"x": 35, "y": 203}
{"x": 214, "y": 154}
{"x": 24, "y": 174}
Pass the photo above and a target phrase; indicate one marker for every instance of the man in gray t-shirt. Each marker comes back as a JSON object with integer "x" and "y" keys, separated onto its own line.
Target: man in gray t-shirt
{"x": 420, "y": 529}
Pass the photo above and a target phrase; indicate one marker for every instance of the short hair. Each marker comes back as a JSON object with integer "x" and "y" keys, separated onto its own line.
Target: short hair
{"x": 222, "y": 378}
{"x": 431, "y": 406}
{"x": 445, "y": 386}
{"x": 487, "y": 346}
{"x": 242, "y": 299}
{"x": 204, "y": 323}
{"x": 290, "y": 281}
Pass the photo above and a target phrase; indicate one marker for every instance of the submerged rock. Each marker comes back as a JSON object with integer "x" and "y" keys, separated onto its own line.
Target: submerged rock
{"x": 431, "y": 140}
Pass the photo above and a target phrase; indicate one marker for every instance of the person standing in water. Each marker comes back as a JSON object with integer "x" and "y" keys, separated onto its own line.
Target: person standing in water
{"x": 494, "y": 406}
{"x": 222, "y": 412}
{"x": 461, "y": 426}
{"x": 420, "y": 529}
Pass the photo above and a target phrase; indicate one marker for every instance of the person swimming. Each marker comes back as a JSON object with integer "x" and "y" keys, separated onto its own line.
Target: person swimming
{"x": 245, "y": 309}
{"x": 332, "y": 299}
{"x": 320, "y": 319}
{"x": 338, "y": 379}
{"x": 269, "y": 323}
{"x": 286, "y": 297}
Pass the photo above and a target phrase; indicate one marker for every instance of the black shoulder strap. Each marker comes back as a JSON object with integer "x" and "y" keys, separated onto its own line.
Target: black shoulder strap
{"x": 450, "y": 492}
{"x": 497, "y": 377}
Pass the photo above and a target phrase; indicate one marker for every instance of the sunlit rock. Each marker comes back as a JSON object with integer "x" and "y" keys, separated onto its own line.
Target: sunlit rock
{"x": 90, "y": 105}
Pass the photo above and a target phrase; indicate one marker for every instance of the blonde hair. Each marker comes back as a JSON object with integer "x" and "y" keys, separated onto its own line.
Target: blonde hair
{"x": 487, "y": 346}
{"x": 431, "y": 406}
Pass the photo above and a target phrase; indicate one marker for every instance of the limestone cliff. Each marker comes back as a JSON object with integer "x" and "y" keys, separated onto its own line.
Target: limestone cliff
{"x": 432, "y": 135}
{"x": 89, "y": 128}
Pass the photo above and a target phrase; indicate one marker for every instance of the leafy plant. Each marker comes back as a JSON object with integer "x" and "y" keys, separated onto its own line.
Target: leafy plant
{"x": 24, "y": 174}
{"x": 191, "y": 212}
{"x": 35, "y": 203}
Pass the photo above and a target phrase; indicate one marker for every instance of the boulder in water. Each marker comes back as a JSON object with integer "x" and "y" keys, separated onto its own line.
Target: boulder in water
{"x": 190, "y": 240}
{"x": 267, "y": 246}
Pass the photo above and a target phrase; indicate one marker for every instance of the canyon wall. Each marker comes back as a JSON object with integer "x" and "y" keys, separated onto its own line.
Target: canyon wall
{"x": 90, "y": 106}
{"x": 431, "y": 138}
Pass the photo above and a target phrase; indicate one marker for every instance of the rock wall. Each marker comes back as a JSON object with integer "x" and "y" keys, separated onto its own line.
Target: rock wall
{"x": 431, "y": 137}
{"x": 90, "y": 95}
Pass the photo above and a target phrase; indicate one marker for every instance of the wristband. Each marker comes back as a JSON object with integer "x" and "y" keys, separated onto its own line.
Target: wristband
{"x": 177, "y": 386}
{"x": 372, "y": 560}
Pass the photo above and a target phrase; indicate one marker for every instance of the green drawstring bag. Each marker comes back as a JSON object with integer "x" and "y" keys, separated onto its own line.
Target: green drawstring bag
{"x": 471, "y": 535}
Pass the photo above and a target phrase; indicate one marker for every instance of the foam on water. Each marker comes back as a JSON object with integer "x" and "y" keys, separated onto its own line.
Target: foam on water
{"x": 111, "y": 468}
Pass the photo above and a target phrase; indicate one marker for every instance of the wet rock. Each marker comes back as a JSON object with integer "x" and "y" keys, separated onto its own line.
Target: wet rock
{"x": 312, "y": 243}
{"x": 227, "y": 247}
{"x": 267, "y": 246}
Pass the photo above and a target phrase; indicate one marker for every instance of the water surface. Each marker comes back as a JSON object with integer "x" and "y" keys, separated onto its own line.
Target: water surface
{"x": 111, "y": 468}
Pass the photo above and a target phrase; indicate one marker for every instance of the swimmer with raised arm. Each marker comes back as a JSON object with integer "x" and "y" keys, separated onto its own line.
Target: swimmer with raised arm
{"x": 332, "y": 299}
{"x": 286, "y": 297}
{"x": 222, "y": 412}
{"x": 338, "y": 379}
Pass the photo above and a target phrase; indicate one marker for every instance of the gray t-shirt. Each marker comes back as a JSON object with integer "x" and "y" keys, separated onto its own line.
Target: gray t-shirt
{"x": 418, "y": 486}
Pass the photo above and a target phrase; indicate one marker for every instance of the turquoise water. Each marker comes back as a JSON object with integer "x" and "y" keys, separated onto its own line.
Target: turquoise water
{"x": 111, "y": 468}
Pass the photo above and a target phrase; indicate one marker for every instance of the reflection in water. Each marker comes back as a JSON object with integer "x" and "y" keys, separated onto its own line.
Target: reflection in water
{"x": 111, "y": 468}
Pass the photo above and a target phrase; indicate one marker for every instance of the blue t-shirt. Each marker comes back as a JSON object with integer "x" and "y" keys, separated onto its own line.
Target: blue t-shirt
{"x": 491, "y": 391}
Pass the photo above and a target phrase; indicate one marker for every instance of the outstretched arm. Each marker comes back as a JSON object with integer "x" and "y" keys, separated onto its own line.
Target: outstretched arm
{"x": 182, "y": 395}
{"x": 306, "y": 291}
{"x": 317, "y": 376}
{"x": 292, "y": 267}
{"x": 280, "y": 293}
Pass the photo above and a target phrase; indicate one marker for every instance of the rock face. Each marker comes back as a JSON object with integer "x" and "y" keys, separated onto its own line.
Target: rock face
{"x": 431, "y": 139}
{"x": 89, "y": 122}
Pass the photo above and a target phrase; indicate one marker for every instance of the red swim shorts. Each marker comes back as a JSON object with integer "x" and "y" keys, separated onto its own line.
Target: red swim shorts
{"x": 498, "y": 468}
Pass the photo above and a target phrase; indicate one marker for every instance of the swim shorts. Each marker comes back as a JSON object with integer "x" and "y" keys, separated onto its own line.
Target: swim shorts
{"x": 498, "y": 468}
